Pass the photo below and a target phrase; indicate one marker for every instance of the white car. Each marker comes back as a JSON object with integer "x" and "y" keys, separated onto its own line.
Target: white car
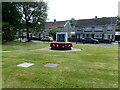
{"x": 47, "y": 39}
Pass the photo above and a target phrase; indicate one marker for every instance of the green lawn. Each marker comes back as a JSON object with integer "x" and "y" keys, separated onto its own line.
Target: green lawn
{"x": 96, "y": 66}
{"x": 17, "y": 45}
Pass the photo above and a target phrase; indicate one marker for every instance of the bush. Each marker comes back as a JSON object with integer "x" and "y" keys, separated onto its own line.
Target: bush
{"x": 8, "y": 32}
{"x": 53, "y": 31}
{"x": 118, "y": 29}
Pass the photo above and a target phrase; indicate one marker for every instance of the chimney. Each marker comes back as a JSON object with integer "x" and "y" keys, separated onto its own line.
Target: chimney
{"x": 54, "y": 20}
{"x": 95, "y": 17}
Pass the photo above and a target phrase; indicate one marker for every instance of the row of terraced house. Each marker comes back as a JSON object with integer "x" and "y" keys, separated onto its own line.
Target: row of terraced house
{"x": 99, "y": 28}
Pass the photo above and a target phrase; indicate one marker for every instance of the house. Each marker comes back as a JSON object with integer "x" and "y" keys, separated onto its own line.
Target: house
{"x": 63, "y": 25}
{"x": 98, "y": 28}
{"x": 117, "y": 36}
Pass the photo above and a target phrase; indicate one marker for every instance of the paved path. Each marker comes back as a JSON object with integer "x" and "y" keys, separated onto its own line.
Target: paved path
{"x": 46, "y": 49}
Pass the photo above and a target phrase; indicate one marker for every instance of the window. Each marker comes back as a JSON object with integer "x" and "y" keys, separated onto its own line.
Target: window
{"x": 105, "y": 36}
{"x": 98, "y": 36}
{"x": 61, "y": 28}
{"x": 81, "y": 36}
{"x": 88, "y": 35}
{"x": 88, "y": 29}
{"x": 98, "y": 28}
{"x": 108, "y": 36}
{"x": 109, "y": 28}
{"x": 78, "y": 29}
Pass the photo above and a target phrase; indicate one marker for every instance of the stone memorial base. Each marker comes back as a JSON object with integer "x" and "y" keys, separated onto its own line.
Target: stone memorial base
{"x": 61, "y": 45}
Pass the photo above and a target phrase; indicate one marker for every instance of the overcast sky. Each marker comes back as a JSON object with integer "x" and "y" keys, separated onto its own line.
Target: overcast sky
{"x": 81, "y": 9}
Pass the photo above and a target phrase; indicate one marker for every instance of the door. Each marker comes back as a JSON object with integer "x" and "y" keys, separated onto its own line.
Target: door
{"x": 109, "y": 37}
{"x": 92, "y": 35}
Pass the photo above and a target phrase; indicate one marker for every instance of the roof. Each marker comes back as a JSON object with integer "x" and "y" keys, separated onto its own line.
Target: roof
{"x": 97, "y": 21}
{"x": 56, "y": 24}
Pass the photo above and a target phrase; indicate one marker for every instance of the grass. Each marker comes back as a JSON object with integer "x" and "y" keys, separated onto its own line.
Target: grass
{"x": 96, "y": 66}
{"x": 17, "y": 45}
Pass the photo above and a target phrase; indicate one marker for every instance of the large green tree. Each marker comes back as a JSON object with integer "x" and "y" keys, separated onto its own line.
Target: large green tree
{"x": 10, "y": 20}
{"x": 34, "y": 14}
{"x": 22, "y": 15}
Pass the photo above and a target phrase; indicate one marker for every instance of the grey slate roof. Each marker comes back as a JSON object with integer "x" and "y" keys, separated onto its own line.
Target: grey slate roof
{"x": 96, "y": 21}
{"x": 56, "y": 24}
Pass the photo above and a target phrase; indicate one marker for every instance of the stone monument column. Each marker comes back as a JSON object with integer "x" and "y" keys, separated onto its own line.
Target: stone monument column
{"x": 61, "y": 37}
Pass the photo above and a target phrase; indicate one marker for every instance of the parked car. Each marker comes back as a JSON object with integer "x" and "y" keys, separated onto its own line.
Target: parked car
{"x": 90, "y": 40}
{"x": 49, "y": 39}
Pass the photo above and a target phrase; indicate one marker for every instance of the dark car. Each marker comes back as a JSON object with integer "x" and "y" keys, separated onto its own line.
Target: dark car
{"x": 90, "y": 40}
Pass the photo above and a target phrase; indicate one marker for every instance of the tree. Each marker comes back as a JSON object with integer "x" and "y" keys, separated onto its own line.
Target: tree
{"x": 34, "y": 14}
{"x": 72, "y": 22}
{"x": 53, "y": 31}
{"x": 10, "y": 20}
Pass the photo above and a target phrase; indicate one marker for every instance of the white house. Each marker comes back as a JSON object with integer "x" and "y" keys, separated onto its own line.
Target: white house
{"x": 63, "y": 25}
{"x": 98, "y": 28}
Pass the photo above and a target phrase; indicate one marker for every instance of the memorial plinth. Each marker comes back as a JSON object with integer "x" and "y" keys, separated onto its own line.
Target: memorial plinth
{"x": 61, "y": 42}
